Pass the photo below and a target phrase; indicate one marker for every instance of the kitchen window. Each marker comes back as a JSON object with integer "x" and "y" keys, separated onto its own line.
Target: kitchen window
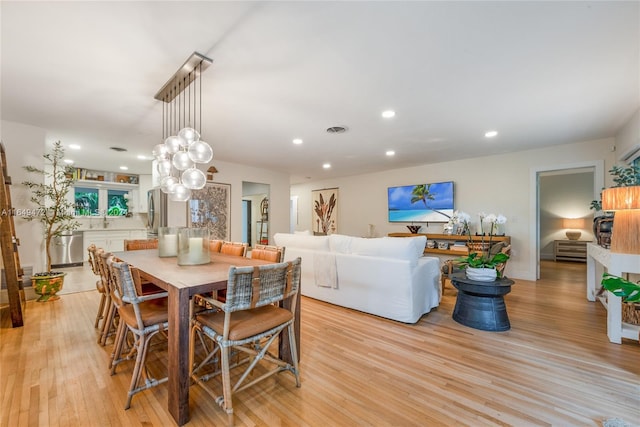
{"x": 101, "y": 201}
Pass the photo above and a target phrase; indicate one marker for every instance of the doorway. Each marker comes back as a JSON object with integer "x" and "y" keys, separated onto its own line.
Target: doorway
{"x": 257, "y": 219}
{"x": 561, "y": 192}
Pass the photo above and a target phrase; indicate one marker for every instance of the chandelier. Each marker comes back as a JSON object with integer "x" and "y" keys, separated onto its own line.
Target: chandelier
{"x": 176, "y": 158}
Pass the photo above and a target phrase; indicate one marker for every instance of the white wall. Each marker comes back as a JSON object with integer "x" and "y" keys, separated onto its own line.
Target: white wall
{"x": 628, "y": 137}
{"x": 25, "y": 145}
{"x": 493, "y": 184}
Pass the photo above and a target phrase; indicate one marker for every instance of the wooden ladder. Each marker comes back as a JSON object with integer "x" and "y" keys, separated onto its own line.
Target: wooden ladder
{"x": 9, "y": 244}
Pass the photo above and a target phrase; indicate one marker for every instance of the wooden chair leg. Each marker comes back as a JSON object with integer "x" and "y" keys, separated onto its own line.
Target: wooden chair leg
{"x": 100, "y": 314}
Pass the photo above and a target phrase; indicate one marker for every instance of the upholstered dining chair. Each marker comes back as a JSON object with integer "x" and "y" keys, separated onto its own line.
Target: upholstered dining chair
{"x": 144, "y": 316}
{"x": 101, "y": 285}
{"x": 268, "y": 253}
{"x": 144, "y": 286}
{"x": 247, "y": 323}
{"x": 215, "y": 245}
{"x": 234, "y": 248}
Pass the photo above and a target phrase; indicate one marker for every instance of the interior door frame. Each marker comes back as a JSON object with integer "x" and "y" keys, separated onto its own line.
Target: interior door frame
{"x": 534, "y": 201}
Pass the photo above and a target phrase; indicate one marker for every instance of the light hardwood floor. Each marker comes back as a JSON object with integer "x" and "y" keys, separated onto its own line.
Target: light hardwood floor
{"x": 554, "y": 367}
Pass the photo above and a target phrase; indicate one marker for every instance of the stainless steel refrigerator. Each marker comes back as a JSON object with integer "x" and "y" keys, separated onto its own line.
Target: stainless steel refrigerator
{"x": 162, "y": 212}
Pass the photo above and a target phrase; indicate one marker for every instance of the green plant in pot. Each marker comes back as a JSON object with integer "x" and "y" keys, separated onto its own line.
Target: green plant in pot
{"x": 482, "y": 265}
{"x": 630, "y": 294}
{"x": 54, "y": 210}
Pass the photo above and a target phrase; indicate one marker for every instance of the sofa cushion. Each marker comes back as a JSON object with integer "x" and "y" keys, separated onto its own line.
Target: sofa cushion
{"x": 407, "y": 248}
{"x": 317, "y": 243}
{"x": 340, "y": 243}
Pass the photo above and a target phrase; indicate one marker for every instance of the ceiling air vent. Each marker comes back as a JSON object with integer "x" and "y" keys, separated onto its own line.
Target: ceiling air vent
{"x": 336, "y": 129}
{"x": 118, "y": 149}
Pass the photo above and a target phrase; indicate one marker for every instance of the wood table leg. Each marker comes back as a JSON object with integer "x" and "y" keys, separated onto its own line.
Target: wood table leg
{"x": 178, "y": 366}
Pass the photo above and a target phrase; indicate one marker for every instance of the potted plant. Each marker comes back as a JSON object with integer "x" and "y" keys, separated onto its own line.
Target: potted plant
{"x": 630, "y": 294}
{"x": 480, "y": 264}
{"x": 54, "y": 211}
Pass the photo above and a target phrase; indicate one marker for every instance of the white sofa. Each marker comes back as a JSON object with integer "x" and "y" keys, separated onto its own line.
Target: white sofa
{"x": 385, "y": 276}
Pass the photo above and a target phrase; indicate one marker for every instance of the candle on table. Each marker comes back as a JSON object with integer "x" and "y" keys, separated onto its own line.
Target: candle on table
{"x": 169, "y": 245}
{"x": 195, "y": 249}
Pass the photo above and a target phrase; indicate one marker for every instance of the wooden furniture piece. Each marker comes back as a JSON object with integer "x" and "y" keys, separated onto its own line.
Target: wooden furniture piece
{"x": 9, "y": 245}
{"x": 450, "y": 239}
{"x": 247, "y": 324}
{"x": 570, "y": 250}
{"x": 100, "y": 285}
{"x": 144, "y": 317}
{"x": 234, "y": 248}
{"x": 480, "y": 305}
{"x": 268, "y": 253}
{"x": 139, "y": 244}
{"x": 599, "y": 258}
{"x": 182, "y": 282}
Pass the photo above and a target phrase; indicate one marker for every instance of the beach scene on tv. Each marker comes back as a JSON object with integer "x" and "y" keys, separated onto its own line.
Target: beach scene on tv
{"x": 421, "y": 203}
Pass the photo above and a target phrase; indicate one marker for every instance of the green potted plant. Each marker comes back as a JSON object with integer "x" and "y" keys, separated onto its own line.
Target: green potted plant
{"x": 630, "y": 294}
{"x": 53, "y": 210}
{"x": 480, "y": 264}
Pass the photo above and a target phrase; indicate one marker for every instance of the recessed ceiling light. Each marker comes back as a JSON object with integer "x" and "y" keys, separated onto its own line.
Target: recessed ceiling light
{"x": 74, "y": 146}
{"x": 142, "y": 157}
{"x": 327, "y": 166}
{"x": 491, "y": 134}
{"x": 124, "y": 168}
{"x": 390, "y": 153}
{"x": 297, "y": 141}
{"x": 68, "y": 161}
{"x": 388, "y": 114}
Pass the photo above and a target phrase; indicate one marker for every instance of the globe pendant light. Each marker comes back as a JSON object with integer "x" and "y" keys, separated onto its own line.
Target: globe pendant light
{"x": 180, "y": 193}
{"x": 182, "y": 150}
{"x": 194, "y": 178}
{"x": 200, "y": 152}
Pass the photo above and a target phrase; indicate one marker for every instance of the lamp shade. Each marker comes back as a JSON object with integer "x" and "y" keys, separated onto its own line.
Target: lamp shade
{"x": 621, "y": 198}
{"x": 626, "y": 222}
{"x": 573, "y": 223}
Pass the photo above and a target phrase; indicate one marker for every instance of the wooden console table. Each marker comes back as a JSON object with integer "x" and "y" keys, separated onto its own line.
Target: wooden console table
{"x": 570, "y": 250}
{"x": 451, "y": 238}
{"x": 599, "y": 258}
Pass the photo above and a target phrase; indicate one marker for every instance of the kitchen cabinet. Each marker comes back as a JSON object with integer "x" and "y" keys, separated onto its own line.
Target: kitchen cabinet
{"x": 112, "y": 240}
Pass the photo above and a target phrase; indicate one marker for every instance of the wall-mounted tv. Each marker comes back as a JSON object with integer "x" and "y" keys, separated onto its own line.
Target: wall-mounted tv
{"x": 421, "y": 203}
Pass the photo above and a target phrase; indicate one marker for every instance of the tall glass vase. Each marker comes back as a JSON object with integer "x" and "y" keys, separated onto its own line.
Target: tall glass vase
{"x": 193, "y": 246}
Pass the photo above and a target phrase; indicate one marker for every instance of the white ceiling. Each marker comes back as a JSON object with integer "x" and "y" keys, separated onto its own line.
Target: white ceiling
{"x": 541, "y": 73}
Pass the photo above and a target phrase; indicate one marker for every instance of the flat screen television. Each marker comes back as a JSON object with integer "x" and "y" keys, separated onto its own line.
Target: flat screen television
{"x": 421, "y": 203}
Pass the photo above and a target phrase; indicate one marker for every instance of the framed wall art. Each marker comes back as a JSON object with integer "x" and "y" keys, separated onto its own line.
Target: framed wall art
{"x": 210, "y": 207}
{"x": 324, "y": 211}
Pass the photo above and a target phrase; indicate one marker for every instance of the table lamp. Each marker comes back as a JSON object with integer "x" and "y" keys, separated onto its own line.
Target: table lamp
{"x": 625, "y": 201}
{"x": 571, "y": 224}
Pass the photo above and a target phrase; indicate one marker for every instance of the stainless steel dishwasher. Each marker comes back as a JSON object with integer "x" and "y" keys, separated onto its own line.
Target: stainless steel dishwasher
{"x": 67, "y": 250}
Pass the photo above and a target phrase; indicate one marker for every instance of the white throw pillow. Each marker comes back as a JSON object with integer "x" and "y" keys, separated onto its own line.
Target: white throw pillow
{"x": 303, "y": 233}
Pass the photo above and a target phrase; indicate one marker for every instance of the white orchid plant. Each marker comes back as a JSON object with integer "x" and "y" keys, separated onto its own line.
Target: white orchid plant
{"x": 482, "y": 259}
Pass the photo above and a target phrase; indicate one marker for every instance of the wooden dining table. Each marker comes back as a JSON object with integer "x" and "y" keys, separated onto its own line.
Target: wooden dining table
{"x": 182, "y": 282}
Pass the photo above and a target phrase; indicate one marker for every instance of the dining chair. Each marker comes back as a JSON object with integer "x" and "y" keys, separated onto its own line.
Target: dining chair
{"x": 247, "y": 323}
{"x": 234, "y": 248}
{"x": 268, "y": 253}
{"x": 100, "y": 285}
{"x": 142, "y": 315}
{"x": 109, "y": 322}
{"x": 215, "y": 245}
{"x": 145, "y": 287}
